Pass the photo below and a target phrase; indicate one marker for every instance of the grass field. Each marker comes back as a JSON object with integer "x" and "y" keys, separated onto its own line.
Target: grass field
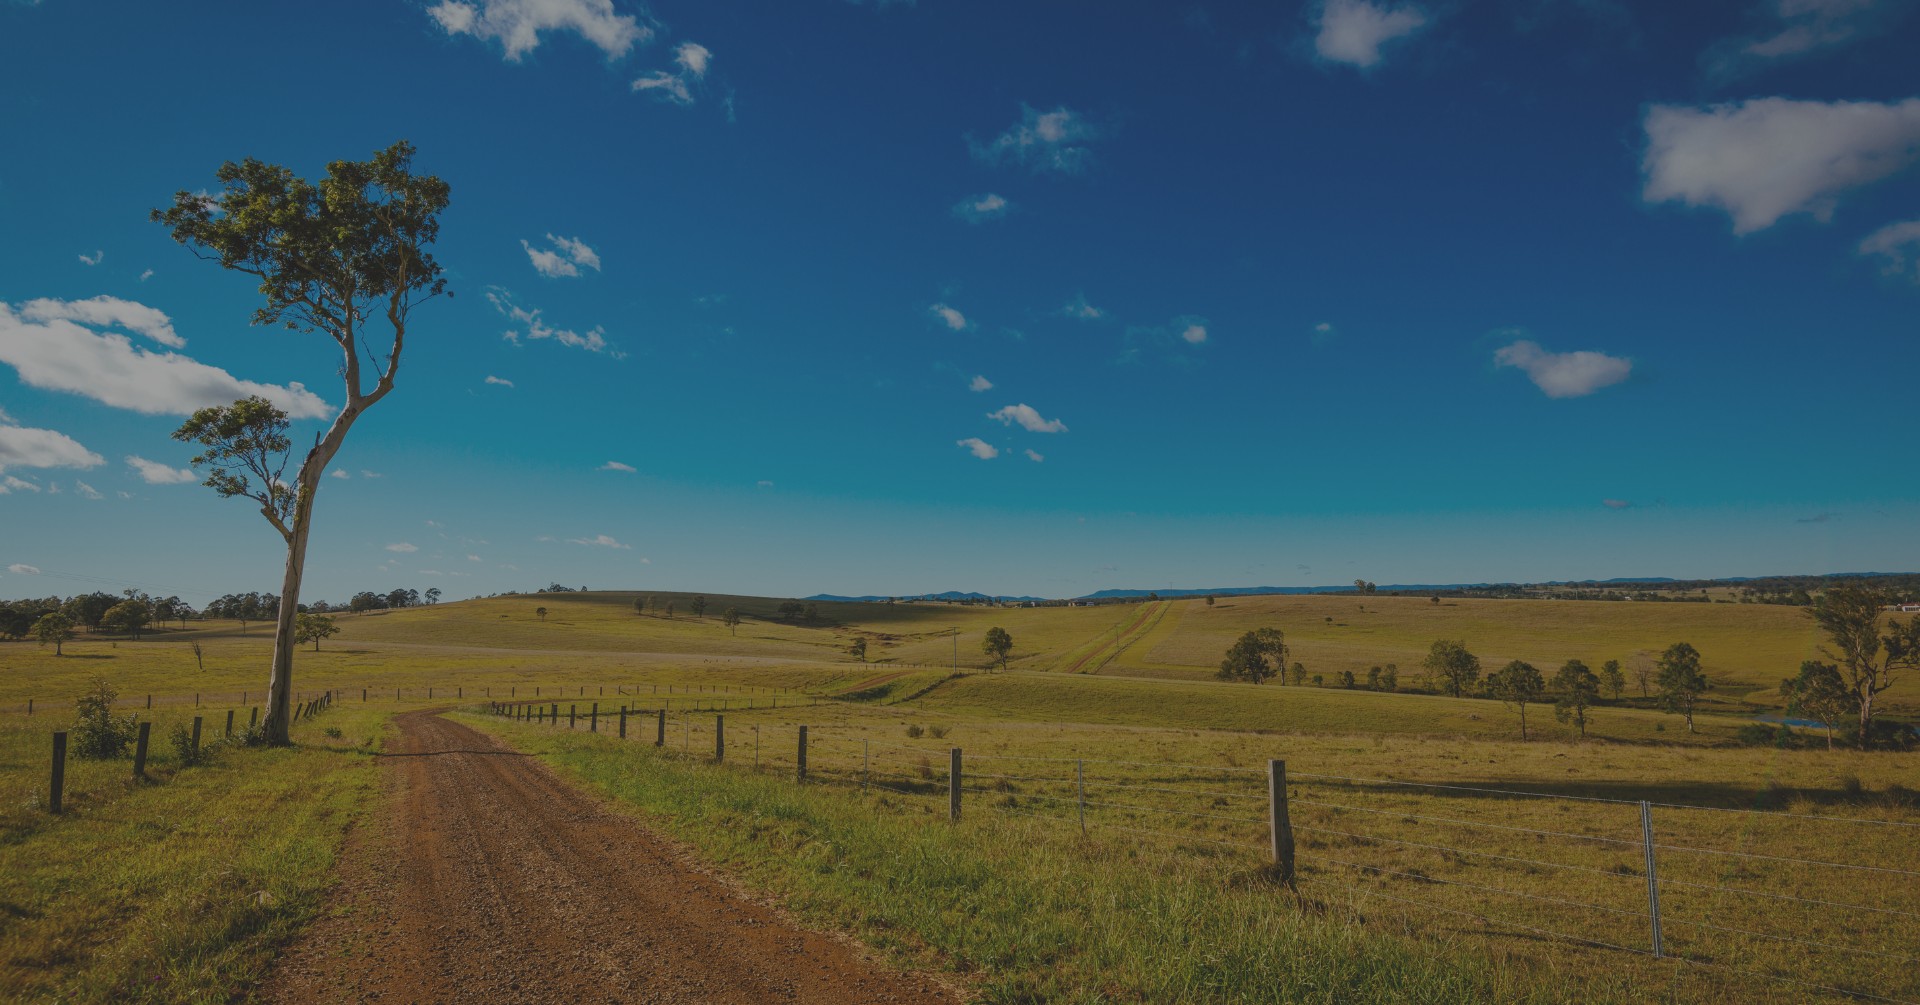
{"x": 1161, "y": 901}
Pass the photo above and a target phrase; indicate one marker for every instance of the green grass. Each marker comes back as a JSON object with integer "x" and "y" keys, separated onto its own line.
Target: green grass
{"x": 177, "y": 889}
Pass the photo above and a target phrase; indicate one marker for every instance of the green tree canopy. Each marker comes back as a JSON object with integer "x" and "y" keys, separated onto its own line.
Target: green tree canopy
{"x": 997, "y": 644}
{"x": 1579, "y": 690}
{"x": 1868, "y": 660}
{"x": 1518, "y": 684}
{"x": 1682, "y": 680}
{"x": 53, "y": 627}
{"x": 1256, "y": 656}
{"x": 1457, "y": 668}
{"x": 1822, "y": 692}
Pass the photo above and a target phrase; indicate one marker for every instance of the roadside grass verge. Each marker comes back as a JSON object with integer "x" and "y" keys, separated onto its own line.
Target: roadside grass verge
{"x": 177, "y": 889}
{"x": 1025, "y": 912}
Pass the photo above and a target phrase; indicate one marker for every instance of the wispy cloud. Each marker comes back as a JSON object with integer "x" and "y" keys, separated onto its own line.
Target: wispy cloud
{"x": 533, "y": 328}
{"x": 1028, "y": 418}
{"x": 1796, "y": 29}
{"x": 981, "y": 208}
{"x": 1050, "y": 142}
{"x": 564, "y": 259}
{"x": 979, "y": 383}
{"x": 86, "y": 491}
{"x": 403, "y": 548}
{"x": 677, "y": 85}
{"x": 617, "y": 466}
{"x": 519, "y": 24}
{"x": 600, "y": 541}
{"x": 339, "y": 473}
{"x": 144, "y": 276}
{"x": 979, "y": 448}
{"x": 13, "y": 483}
{"x": 1352, "y": 31}
{"x": 1564, "y": 374}
{"x": 1194, "y": 333}
{"x": 50, "y": 344}
{"x": 156, "y": 473}
{"x": 950, "y": 317}
{"x": 93, "y": 259}
{"x": 364, "y": 473}
{"x": 1034, "y": 455}
{"x": 1768, "y": 158}
{"x": 498, "y": 381}
{"x": 1079, "y": 308}
{"x": 23, "y": 569}
{"x": 1897, "y": 245}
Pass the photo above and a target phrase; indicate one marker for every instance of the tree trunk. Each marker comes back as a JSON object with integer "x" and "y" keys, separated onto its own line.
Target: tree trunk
{"x": 280, "y": 684}
{"x": 1866, "y": 717}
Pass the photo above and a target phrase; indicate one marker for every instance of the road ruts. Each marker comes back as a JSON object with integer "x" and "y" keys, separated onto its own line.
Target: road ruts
{"x": 490, "y": 880}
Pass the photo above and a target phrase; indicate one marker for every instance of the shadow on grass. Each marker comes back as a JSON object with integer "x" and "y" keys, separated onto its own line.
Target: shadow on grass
{"x": 1713, "y": 795}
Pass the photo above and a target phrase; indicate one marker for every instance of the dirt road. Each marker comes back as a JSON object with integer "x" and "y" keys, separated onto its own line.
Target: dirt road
{"x": 490, "y": 880}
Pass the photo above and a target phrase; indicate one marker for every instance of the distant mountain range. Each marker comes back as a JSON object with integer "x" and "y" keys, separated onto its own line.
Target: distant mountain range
{"x": 1248, "y": 591}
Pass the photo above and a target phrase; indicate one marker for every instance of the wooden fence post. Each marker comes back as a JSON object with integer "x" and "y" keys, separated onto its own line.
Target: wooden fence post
{"x": 196, "y": 734}
{"x": 953, "y": 786}
{"x": 150, "y": 703}
{"x": 1280, "y": 828}
{"x": 253, "y": 718}
{"x": 660, "y": 738}
{"x": 59, "y": 782}
{"x": 719, "y": 738}
{"x": 593, "y": 720}
{"x": 1080, "y": 784}
{"x": 572, "y": 711}
{"x": 623, "y": 722}
{"x": 140, "y": 751}
{"x": 229, "y": 724}
{"x": 29, "y": 706}
{"x": 802, "y": 776}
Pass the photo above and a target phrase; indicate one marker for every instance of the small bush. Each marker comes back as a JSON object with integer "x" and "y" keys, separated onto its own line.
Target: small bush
{"x": 937, "y": 732}
{"x": 255, "y": 737}
{"x": 333, "y": 732}
{"x": 914, "y": 732}
{"x": 1763, "y": 734}
{"x": 925, "y": 768}
{"x": 97, "y": 733}
{"x": 183, "y": 749}
{"x": 1850, "y": 787}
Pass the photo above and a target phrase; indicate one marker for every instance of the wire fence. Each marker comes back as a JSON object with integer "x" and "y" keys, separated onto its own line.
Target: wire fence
{"x": 680, "y": 696}
{"x": 1805, "y": 904}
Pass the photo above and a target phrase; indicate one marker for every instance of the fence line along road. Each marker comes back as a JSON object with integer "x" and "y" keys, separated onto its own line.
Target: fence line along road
{"x": 1656, "y": 883}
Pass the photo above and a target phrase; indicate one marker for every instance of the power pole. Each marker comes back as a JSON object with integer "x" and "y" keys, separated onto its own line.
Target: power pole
{"x": 956, "y": 649}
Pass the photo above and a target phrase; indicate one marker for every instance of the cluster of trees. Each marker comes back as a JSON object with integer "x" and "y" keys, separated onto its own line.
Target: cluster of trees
{"x": 655, "y": 607}
{"x": 1575, "y": 688}
{"x": 127, "y": 613}
{"x": 367, "y": 600}
{"x": 794, "y": 610}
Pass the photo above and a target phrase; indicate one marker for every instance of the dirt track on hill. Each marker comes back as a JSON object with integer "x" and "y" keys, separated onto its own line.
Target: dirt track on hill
{"x": 490, "y": 880}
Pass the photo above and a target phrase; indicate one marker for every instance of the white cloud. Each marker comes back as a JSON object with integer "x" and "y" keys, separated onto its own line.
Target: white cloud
{"x": 156, "y": 473}
{"x": 1194, "y": 333}
{"x": 475, "y": 558}
{"x": 979, "y": 447}
{"x": 600, "y": 541}
{"x": 594, "y": 340}
{"x": 1052, "y": 141}
{"x": 565, "y": 259}
{"x": 1564, "y": 374}
{"x": 27, "y": 447}
{"x": 950, "y": 317}
{"x": 1035, "y": 456}
{"x": 23, "y": 569}
{"x": 15, "y": 484}
{"x": 1763, "y": 159}
{"x": 979, "y": 383}
{"x": 107, "y": 312}
{"x": 500, "y": 381}
{"x": 671, "y": 86}
{"x": 339, "y": 473}
{"x": 617, "y": 466}
{"x": 1897, "y": 245}
{"x": 46, "y": 342}
{"x": 763, "y": 484}
{"x": 692, "y": 57}
{"x": 1796, "y": 28}
{"x": 518, "y": 24}
{"x": 93, "y": 259}
{"x": 1079, "y": 308}
{"x": 1617, "y": 503}
{"x": 86, "y": 491}
{"x": 364, "y": 473}
{"x": 981, "y": 208}
{"x": 1029, "y": 419}
{"x": 403, "y": 548}
{"x": 1352, "y": 31}
{"x": 144, "y": 276}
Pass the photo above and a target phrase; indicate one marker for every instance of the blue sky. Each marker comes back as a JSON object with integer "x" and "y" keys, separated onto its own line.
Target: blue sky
{"x": 1276, "y": 294}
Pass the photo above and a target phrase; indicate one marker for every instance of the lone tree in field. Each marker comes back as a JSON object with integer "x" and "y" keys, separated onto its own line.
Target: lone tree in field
{"x": 997, "y": 644}
{"x": 1517, "y": 684}
{"x": 1682, "y": 680}
{"x": 1868, "y": 661}
{"x": 312, "y": 628}
{"x": 53, "y": 627}
{"x": 1457, "y": 668}
{"x": 540, "y": 612}
{"x": 731, "y": 618}
{"x": 1256, "y": 656}
{"x": 1821, "y": 692}
{"x": 859, "y": 649}
{"x": 699, "y": 606}
{"x": 639, "y": 605}
{"x": 347, "y": 258}
{"x": 1612, "y": 679}
{"x": 1579, "y": 690}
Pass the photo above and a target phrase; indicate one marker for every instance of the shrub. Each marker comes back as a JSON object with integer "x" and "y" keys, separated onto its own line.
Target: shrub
{"x": 1763, "y": 734}
{"x": 914, "y": 732}
{"x": 937, "y": 732}
{"x": 183, "y": 749}
{"x": 333, "y": 732}
{"x": 96, "y": 733}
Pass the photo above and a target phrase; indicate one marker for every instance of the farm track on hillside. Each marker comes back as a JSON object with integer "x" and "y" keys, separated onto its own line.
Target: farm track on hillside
{"x": 489, "y": 879}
